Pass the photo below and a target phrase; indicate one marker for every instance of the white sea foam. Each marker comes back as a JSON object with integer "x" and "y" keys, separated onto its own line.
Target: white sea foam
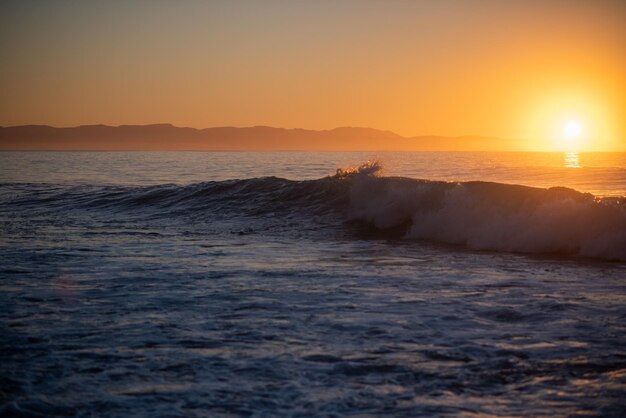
{"x": 492, "y": 216}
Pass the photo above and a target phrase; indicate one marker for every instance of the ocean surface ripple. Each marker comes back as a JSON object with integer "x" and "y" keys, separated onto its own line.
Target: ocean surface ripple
{"x": 353, "y": 294}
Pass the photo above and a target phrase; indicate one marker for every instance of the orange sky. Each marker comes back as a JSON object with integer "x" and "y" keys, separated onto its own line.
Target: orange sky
{"x": 511, "y": 69}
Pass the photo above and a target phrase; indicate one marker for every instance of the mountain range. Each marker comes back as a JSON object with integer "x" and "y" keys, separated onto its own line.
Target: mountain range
{"x": 166, "y": 137}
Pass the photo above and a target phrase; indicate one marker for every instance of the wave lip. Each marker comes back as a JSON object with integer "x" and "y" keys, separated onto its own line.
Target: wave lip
{"x": 494, "y": 216}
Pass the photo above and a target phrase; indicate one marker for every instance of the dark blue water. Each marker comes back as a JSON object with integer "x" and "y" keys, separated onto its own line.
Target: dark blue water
{"x": 346, "y": 295}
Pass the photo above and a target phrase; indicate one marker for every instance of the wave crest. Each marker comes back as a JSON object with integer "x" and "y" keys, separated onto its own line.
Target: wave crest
{"x": 478, "y": 215}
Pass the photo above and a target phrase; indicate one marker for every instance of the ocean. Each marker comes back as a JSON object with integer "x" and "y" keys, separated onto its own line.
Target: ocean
{"x": 236, "y": 284}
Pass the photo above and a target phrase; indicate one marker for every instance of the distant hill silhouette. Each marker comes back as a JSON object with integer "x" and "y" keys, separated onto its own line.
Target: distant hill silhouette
{"x": 165, "y": 137}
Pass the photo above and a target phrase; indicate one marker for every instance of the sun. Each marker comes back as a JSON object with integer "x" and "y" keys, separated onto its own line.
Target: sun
{"x": 570, "y": 135}
{"x": 572, "y": 129}
{"x": 578, "y": 120}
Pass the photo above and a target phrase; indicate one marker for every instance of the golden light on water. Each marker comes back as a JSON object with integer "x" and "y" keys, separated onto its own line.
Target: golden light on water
{"x": 571, "y": 160}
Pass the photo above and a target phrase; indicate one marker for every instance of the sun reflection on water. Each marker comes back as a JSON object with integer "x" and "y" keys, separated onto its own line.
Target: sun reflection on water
{"x": 571, "y": 160}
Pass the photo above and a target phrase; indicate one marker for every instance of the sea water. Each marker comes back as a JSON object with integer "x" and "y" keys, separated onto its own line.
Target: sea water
{"x": 312, "y": 284}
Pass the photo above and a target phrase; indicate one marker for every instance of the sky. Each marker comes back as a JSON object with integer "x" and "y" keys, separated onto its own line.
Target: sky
{"x": 523, "y": 70}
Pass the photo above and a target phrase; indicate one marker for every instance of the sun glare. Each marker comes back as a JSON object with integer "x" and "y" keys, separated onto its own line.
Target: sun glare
{"x": 571, "y": 136}
{"x": 572, "y": 129}
{"x": 578, "y": 121}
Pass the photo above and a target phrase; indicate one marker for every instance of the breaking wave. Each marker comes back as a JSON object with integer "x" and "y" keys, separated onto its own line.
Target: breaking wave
{"x": 477, "y": 215}
{"x": 494, "y": 216}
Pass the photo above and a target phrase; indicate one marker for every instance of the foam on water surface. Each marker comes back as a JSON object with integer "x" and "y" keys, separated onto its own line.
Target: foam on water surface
{"x": 349, "y": 294}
